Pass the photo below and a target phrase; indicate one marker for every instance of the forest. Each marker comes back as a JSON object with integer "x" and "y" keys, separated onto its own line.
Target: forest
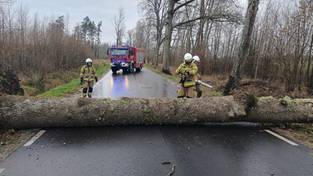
{"x": 280, "y": 49}
{"x": 35, "y": 47}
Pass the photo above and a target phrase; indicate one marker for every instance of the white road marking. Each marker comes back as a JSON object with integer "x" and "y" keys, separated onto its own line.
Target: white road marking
{"x": 1, "y": 170}
{"x": 33, "y": 139}
{"x": 281, "y": 138}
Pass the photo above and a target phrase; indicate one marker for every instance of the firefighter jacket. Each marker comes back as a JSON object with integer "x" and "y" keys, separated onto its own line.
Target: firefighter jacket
{"x": 88, "y": 73}
{"x": 189, "y": 73}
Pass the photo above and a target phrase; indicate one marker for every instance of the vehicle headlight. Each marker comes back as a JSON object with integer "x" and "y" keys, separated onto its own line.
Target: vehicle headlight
{"x": 124, "y": 64}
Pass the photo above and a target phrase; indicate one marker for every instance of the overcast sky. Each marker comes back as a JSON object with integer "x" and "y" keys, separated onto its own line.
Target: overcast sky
{"x": 97, "y": 10}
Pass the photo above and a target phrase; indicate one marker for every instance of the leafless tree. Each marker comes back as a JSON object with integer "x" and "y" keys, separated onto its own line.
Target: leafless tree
{"x": 172, "y": 7}
{"x": 235, "y": 76}
{"x": 280, "y": 47}
{"x": 119, "y": 26}
{"x": 155, "y": 13}
{"x": 130, "y": 37}
{"x": 35, "y": 48}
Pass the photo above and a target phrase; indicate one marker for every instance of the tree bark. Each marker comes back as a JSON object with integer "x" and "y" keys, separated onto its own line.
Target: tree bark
{"x": 308, "y": 72}
{"x": 23, "y": 112}
{"x": 168, "y": 36}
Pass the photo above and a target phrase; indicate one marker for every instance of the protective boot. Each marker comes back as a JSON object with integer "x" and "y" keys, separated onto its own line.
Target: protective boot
{"x": 90, "y": 90}
{"x": 199, "y": 93}
{"x": 85, "y": 92}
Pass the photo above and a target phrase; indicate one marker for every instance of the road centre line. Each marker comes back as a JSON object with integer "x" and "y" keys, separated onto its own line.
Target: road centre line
{"x": 34, "y": 138}
{"x": 281, "y": 137}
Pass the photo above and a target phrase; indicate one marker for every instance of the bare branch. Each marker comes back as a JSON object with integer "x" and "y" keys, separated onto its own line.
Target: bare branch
{"x": 216, "y": 18}
{"x": 182, "y": 5}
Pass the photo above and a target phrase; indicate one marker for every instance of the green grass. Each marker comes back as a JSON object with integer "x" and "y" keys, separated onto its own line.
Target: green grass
{"x": 102, "y": 69}
{"x": 72, "y": 86}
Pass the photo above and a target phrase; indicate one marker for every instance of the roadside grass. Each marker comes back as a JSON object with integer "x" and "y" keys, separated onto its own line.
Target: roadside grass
{"x": 211, "y": 93}
{"x": 302, "y": 133}
{"x": 31, "y": 91}
{"x": 158, "y": 71}
{"x": 74, "y": 85}
{"x": 11, "y": 140}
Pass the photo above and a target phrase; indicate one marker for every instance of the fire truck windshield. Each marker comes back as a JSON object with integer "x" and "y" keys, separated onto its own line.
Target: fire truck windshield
{"x": 119, "y": 52}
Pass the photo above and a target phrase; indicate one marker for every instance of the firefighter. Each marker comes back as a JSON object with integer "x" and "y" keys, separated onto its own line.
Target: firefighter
{"x": 88, "y": 78}
{"x": 187, "y": 72}
{"x": 198, "y": 90}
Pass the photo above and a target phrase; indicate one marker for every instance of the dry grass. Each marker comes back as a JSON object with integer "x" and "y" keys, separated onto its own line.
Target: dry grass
{"x": 302, "y": 133}
{"x": 10, "y": 140}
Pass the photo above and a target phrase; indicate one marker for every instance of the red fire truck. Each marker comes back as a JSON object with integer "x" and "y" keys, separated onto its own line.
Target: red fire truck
{"x": 127, "y": 58}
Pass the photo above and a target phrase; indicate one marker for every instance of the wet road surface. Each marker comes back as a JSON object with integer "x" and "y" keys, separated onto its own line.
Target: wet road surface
{"x": 211, "y": 150}
{"x": 146, "y": 84}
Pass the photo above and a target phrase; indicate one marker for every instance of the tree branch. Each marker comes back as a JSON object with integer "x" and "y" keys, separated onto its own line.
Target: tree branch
{"x": 183, "y": 4}
{"x": 216, "y": 18}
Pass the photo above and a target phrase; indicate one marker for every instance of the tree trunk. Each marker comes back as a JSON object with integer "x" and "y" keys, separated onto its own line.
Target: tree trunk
{"x": 168, "y": 36}
{"x": 159, "y": 29}
{"x": 309, "y": 66}
{"x": 199, "y": 39}
{"x": 234, "y": 78}
{"x": 23, "y": 112}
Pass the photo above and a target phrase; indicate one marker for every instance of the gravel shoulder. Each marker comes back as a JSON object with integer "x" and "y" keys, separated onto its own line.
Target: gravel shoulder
{"x": 11, "y": 140}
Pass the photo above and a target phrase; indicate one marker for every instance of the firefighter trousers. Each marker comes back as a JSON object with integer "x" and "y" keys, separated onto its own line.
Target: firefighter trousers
{"x": 88, "y": 88}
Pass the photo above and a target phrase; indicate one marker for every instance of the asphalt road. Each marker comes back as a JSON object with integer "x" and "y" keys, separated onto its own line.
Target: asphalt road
{"x": 145, "y": 84}
{"x": 208, "y": 150}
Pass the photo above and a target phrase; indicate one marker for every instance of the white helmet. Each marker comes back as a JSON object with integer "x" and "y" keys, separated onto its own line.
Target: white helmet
{"x": 88, "y": 60}
{"x": 188, "y": 57}
{"x": 196, "y": 58}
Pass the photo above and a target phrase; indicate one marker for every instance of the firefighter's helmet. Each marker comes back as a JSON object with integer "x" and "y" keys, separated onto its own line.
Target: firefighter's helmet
{"x": 88, "y": 60}
{"x": 188, "y": 57}
{"x": 196, "y": 58}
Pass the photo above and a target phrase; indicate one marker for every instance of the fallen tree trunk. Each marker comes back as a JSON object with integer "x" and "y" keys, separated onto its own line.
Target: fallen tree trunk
{"x": 22, "y": 112}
